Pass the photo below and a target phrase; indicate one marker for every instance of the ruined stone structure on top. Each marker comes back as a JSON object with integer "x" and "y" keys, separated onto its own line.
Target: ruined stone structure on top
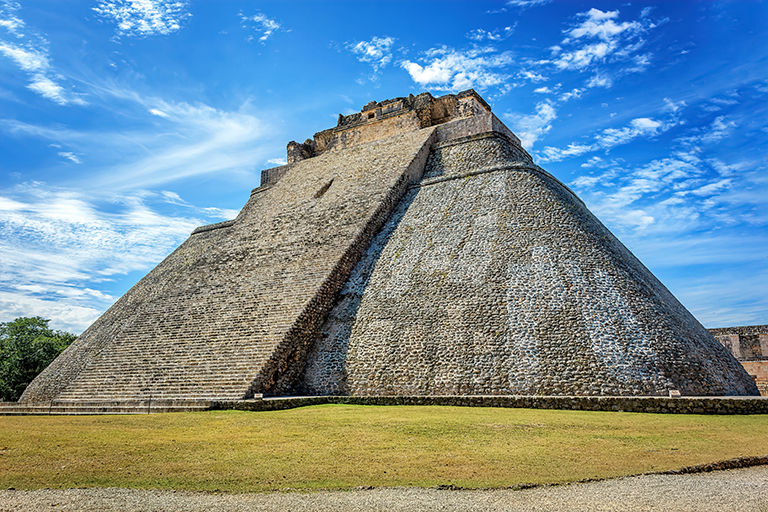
{"x": 413, "y": 249}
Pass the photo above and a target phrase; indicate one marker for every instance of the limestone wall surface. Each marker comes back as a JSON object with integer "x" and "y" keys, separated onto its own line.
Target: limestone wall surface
{"x": 492, "y": 278}
{"x": 231, "y": 311}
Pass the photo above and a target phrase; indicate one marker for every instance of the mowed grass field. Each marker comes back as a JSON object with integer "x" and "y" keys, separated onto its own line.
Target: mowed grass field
{"x": 343, "y": 446}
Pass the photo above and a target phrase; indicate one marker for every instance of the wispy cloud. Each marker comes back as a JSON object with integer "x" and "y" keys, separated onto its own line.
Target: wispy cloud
{"x": 194, "y": 139}
{"x": 260, "y": 24}
{"x": 715, "y": 132}
{"x": 60, "y": 247}
{"x": 157, "y": 112}
{"x": 30, "y": 53}
{"x": 676, "y": 194}
{"x": 479, "y": 35}
{"x": 609, "y": 138}
{"x": 448, "y": 69}
{"x": 70, "y": 156}
{"x": 531, "y": 76}
{"x": 377, "y": 52}
{"x": 524, "y": 4}
{"x": 597, "y": 39}
{"x": 530, "y": 128}
{"x": 600, "y": 80}
{"x": 142, "y": 18}
{"x": 9, "y": 21}
{"x": 574, "y": 93}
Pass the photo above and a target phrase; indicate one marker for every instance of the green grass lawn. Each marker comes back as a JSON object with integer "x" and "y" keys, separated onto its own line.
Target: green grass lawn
{"x": 343, "y": 446}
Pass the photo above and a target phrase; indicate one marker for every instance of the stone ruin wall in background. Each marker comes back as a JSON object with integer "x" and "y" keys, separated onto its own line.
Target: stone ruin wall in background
{"x": 748, "y": 344}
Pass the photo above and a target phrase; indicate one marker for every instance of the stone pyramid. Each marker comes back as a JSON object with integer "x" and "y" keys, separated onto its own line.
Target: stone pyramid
{"x": 414, "y": 249}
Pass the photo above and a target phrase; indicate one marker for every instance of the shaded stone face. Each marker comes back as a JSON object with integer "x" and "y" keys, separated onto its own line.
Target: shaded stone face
{"x": 492, "y": 278}
{"x": 415, "y": 252}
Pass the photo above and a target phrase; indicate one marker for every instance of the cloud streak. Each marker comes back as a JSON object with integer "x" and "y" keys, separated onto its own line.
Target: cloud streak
{"x": 190, "y": 140}
{"x": 597, "y": 40}
{"x": 58, "y": 247}
{"x": 609, "y": 138}
{"x": 144, "y": 18}
{"x": 531, "y": 128}
{"x": 524, "y": 4}
{"x": 30, "y": 54}
{"x": 261, "y": 24}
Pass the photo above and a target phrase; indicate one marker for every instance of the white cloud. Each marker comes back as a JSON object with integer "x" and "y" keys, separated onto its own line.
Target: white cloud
{"x": 597, "y": 40}
{"x": 141, "y": 18}
{"x": 29, "y": 59}
{"x": 599, "y": 24}
{"x": 173, "y": 198}
{"x": 496, "y": 35}
{"x": 277, "y": 161}
{"x": 156, "y": 112}
{"x": 671, "y": 106}
{"x": 70, "y": 156}
{"x": 447, "y": 69}
{"x": 524, "y": 4}
{"x": 31, "y": 55}
{"x": 609, "y": 138}
{"x": 531, "y": 76}
{"x": 550, "y": 154}
{"x": 712, "y": 188}
{"x": 377, "y": 52}
{"x": 532, "y": 127}
{"x": 584, "y": 57}
{"x": 673, "y": 196}
{"x": 600, "y": 80}
{"x": 35, "y": 63}
{"x": 640, "y": 127}
{"x": 595, "y": 161}
{"x": 715, "y": 132}
{"x": 59, "y": 249}
{"x": 261, "y": 24}
{"x": 575, "y": 93}
{"x": 9, "y": 21}
{"x": 195, "y": 140}
{"x": 716, "y": 104}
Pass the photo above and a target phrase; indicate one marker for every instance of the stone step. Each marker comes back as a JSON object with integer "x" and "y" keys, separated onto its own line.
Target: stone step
{"x": 82, "y": 407}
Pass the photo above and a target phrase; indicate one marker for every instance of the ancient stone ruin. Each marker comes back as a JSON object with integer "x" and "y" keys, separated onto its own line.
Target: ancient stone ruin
{"x": 749, "y": 345}
{"x": 414, "y": 249}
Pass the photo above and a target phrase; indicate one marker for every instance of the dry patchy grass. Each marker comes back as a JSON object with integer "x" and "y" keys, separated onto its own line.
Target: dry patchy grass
{"x": 343, "y": 446}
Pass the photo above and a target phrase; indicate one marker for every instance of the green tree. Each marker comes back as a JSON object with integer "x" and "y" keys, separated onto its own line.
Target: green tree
{"x": 27, "y": 346}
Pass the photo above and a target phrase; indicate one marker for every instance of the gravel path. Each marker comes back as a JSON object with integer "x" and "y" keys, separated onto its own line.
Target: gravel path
{"x": 733, "y": 490}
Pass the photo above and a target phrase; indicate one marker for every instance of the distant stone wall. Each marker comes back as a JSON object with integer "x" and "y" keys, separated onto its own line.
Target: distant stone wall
{"x": 758, "y": 370}
{"x": 748, "y": 344}
{"x": 744, "y": 342}
{"x": 653, "y": 405}
{"x": 492, "y": 278}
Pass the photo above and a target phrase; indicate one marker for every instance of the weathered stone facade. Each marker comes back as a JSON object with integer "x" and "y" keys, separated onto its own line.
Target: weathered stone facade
{"x": 415, "y": 249}
{"x": 493, "y": 278}
{"x": 749, "y": 345}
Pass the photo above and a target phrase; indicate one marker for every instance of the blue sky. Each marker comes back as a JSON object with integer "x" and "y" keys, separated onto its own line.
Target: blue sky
{"x": 126, "y": 124}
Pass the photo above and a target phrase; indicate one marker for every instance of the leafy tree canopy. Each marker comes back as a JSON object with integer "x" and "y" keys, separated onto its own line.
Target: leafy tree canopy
{"x": 27, "y": 346}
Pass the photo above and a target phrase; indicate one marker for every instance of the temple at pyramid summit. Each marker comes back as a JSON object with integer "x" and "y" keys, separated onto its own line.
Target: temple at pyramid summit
{"x": 414, "y": 249}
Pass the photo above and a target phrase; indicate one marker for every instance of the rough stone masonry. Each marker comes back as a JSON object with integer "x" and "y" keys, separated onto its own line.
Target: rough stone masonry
{"x": 414, "y": 249}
